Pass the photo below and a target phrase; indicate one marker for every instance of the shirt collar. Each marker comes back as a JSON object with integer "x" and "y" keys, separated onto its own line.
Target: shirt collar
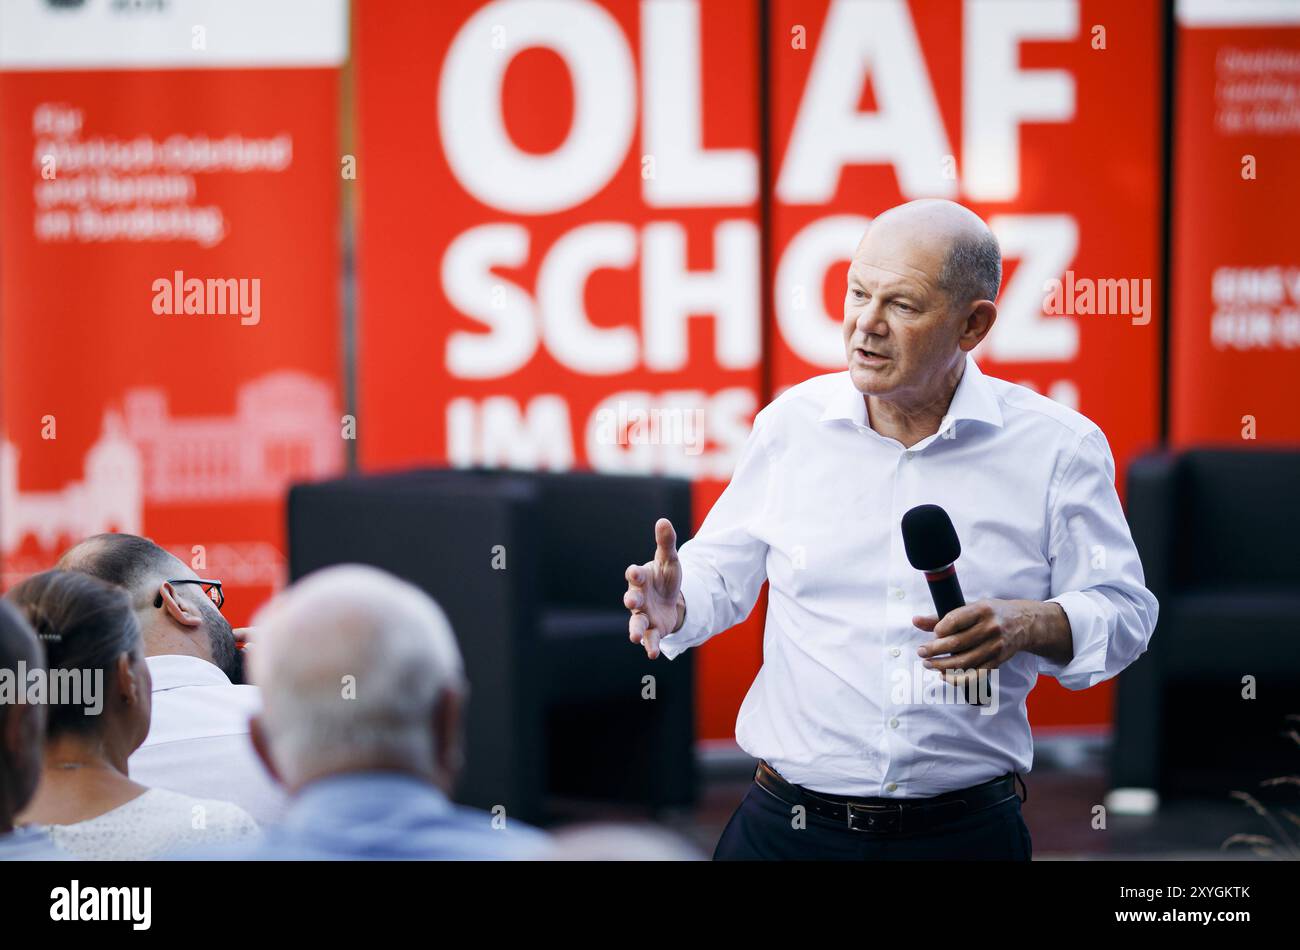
{"x": 973, "y": 399}
{"x": 366, "y": 792}
{"x": 173, "y": 670}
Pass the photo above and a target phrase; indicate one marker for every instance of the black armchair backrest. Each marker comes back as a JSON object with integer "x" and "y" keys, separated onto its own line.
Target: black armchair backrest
{"x": 590, "y": 526}
{"x": 1238, "y": 518}
{"x": 593, "y": 526}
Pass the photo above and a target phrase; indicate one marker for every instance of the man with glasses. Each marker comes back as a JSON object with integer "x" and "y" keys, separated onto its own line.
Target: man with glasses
{"x": 198, "y": 741}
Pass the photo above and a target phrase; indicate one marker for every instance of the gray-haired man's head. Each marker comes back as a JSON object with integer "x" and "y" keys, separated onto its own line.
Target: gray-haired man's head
{"x": 358, "y": 671}
{"x": 921, "y": 290}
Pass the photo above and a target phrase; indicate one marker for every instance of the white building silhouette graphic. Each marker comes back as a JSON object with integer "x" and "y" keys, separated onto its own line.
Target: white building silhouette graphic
{"x": 108, "y": 498}
{"x": 285, "y": 428}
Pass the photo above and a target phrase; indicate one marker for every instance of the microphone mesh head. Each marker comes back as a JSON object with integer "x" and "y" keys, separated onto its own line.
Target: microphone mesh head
{"x": 929, "y": 538}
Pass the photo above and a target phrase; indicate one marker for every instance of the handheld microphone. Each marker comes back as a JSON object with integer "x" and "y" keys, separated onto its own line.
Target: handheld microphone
{"x": 932, "y": 548}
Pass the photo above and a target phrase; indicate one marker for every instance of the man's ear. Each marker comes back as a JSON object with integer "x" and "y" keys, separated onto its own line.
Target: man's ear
{"x": 979, "y": 321}
{"x": 448, "y": 734}
{"x": 257, "y": 733}
{"x": 175, "y": 608}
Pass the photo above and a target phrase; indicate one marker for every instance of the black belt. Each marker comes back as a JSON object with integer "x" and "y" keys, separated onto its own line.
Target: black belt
{"x": 891, "y": 815}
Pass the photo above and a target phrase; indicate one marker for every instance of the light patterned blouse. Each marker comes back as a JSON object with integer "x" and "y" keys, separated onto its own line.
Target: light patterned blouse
{"x": 155, "y": 824}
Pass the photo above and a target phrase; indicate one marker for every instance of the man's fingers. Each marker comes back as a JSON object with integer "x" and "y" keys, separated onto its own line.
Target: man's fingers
{"x": 955, "y": 621}
{"x": 968, "y": 639}
{"x": 925, "y": 623}
{"x": 982, "y": 655}
{"x": 650, "y": 641}
{"x": 637, "y": 626}
{"x": 665, "y": 541}
{"x": 639, "y": 629}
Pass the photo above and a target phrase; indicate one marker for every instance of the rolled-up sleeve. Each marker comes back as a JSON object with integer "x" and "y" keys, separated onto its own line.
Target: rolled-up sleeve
{"x": 1096, "y": 573}
{"x": 724, "y": 565}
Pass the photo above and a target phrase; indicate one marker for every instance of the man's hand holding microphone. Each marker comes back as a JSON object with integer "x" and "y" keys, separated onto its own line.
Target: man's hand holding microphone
{"x": 654, "y": 592}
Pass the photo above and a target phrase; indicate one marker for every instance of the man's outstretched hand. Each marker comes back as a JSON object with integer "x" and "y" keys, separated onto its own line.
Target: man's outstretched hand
{"x": 654, "y": 592}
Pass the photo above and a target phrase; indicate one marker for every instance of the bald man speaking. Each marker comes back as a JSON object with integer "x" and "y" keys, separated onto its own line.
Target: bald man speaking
{"x": 866, "y": 749}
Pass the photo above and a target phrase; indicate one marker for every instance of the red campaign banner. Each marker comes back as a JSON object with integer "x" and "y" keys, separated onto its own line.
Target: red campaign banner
{"x": 559, "y": 248}
{"x": 1235, "y": 352}
{"x": 1043, "y": 118}
{"x": 530, "y": 255}
{"x": 169, "y": 245}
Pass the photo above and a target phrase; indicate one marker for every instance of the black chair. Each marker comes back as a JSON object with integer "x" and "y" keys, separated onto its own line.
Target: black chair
{"x": 1217, "y": 533}
{"x": 529, "y": 568}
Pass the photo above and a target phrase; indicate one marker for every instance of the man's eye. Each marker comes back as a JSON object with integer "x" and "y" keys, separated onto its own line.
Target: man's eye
{"x": 899, "y": 305}
{"x": 857, "y": 294}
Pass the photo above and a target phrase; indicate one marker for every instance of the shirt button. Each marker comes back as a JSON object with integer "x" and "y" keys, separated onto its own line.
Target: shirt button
{"x": 893, "y": 724}
{"x": 891, "y": 787}
{"x": 894, "y": 651}
{"x": 907, "y": 456}
{"x": 897, "y": 593}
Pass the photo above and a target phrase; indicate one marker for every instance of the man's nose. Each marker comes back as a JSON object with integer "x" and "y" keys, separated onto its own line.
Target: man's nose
{"x": 871, "y": 320}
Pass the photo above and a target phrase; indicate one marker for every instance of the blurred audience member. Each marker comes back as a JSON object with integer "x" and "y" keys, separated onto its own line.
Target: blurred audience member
{"x": 199, "y": 741}
{"x": 597, "y": 842}
{"x": 362, "y": 688}
{"x": 98, "y": 704}
{"x": 22, "y": 736}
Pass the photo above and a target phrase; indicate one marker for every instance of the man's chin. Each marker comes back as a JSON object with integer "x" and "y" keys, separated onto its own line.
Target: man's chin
{"x": 871, "y": 381}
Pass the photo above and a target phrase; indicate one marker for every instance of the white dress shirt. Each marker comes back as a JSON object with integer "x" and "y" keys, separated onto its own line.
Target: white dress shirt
{"x": 198, "y": 741}
{"x": 814, "y": 507}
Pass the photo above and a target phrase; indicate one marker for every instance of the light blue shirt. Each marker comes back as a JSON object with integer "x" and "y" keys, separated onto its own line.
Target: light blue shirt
{"x": 385, "y": 816}
{"x": 30, "y": 844}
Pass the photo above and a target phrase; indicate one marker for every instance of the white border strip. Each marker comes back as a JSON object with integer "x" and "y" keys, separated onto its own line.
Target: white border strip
{"x": 109, "y": 34}
{"x": 1238, "y": 12}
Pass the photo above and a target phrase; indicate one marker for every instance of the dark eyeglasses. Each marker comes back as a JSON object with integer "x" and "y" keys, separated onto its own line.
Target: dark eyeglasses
{"x": 210, "y": 587}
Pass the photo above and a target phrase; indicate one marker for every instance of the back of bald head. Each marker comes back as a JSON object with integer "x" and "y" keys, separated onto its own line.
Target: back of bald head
{"x": 351, "y": 662}
{"x": 972, "y": 257}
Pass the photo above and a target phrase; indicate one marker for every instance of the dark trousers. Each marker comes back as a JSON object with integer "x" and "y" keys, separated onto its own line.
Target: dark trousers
{"x": 764, "y": 828}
